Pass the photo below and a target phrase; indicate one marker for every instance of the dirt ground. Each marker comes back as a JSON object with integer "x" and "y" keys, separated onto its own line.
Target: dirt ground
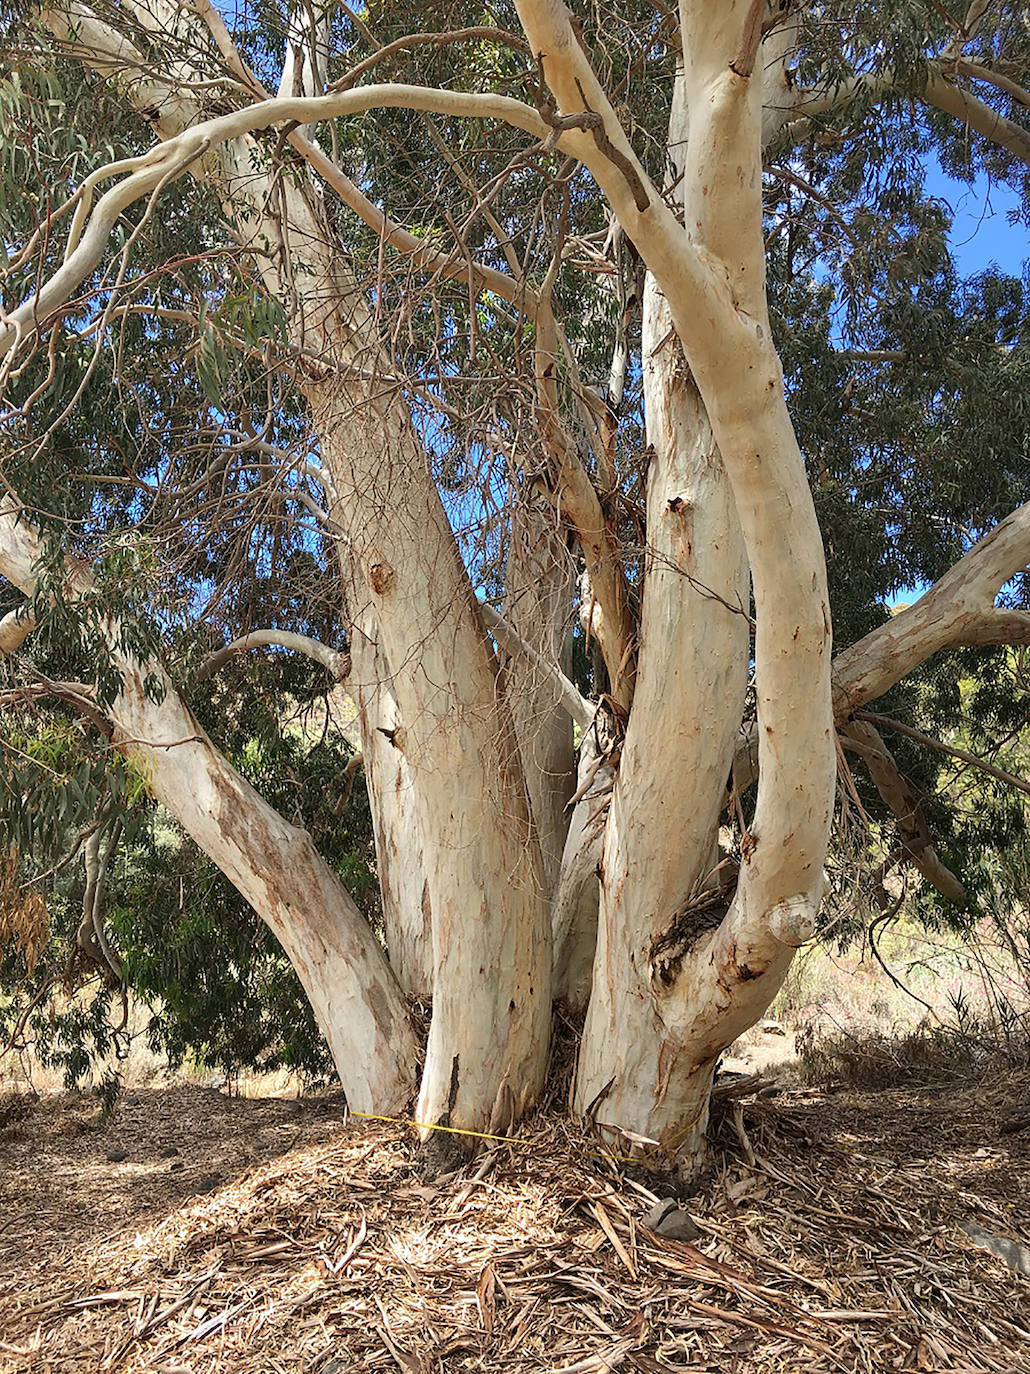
{"x": 273, "y": 1236}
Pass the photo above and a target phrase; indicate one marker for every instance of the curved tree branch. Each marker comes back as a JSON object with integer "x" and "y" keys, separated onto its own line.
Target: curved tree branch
{"x": 958, "y": 610}
{"x": 170, "y": 159}
{"x": 449, "y": 265}
{"x": 334, "y": 951}
{"x": 336, "y": 664}
{"x": 940, "y": 91}
{"x": 91, "y": 937}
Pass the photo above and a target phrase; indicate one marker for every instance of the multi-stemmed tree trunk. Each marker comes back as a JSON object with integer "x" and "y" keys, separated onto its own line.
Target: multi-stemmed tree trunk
{"x": 665, "y": 998}
{"x": 483, "y": 880}
{"x": 608, "y": 888}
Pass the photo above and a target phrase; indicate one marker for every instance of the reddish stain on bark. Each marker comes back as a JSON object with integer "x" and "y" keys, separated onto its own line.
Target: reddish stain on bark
{"x": 666, "y": 1057}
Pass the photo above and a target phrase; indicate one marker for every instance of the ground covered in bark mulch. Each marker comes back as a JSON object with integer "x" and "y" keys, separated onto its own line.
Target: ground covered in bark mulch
{"x": 267, "y": 1236}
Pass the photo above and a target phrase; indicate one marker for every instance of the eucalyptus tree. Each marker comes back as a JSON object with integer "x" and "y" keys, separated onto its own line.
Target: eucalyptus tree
{"x": 583, "y": 317}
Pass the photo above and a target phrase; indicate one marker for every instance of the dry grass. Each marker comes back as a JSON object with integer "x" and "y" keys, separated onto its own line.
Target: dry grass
{"x": 318, "y": 1247}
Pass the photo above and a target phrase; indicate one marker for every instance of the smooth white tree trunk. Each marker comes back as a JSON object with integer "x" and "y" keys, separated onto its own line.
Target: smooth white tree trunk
{"x": 671, "y": 785}
{"x": 489, "y": 1035}
{"x": 403, "y": 888}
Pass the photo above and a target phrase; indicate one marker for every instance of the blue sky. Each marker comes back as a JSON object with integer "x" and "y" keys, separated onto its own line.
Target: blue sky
{"x": 981, "y": 234}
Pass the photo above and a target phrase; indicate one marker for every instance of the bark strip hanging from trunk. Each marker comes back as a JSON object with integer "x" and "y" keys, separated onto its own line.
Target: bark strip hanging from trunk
{"x": 574, "y": 904}
{"x": 538, "y": 605}
{"x": 578, "y": 501}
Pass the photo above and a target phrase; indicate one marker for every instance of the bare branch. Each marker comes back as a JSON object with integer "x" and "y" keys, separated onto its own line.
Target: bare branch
{"x": 169, "y": 160}
{"x": 978, "y": 73}
{"x": 577, "y": 706}
{"x": 978, "y": 115}
{"x": 743, "y": 62}
{"x": 950, "y": 750}
{"x": 437, "y": 40}
{"x": 939, "y": 91}
{"x": 957, "y": 610}
{"x": 895, "y": 790}
{"x": 967, "y": 30}
{"x": 337, "y": 664}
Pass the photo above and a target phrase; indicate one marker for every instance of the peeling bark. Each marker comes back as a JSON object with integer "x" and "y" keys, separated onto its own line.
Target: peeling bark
{"x": 538, "y": 604}
{"x": 574, "y": 905}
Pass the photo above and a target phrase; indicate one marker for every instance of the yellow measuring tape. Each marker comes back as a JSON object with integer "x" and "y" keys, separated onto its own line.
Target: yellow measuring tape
{"x": 451, "y": 1130}
{"x": 518, "y": 1140}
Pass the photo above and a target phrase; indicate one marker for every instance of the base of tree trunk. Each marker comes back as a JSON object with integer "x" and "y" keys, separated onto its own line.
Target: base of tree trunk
{"x": 442, "y": 1152}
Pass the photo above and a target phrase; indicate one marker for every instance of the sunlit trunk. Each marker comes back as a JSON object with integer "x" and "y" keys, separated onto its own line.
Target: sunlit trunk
{"x": 669, "y": 990}
{"x": 488, "y": 1039}
{"x": 671, "y": 784}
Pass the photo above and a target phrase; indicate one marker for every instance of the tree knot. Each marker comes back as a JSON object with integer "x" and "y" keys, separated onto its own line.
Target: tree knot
{"x": 381, "y": 578}
{"x": 792, "y": 921}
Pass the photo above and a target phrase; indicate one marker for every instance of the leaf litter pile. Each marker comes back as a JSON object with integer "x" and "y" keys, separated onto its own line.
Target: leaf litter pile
{"x": 194, "y": 1233}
